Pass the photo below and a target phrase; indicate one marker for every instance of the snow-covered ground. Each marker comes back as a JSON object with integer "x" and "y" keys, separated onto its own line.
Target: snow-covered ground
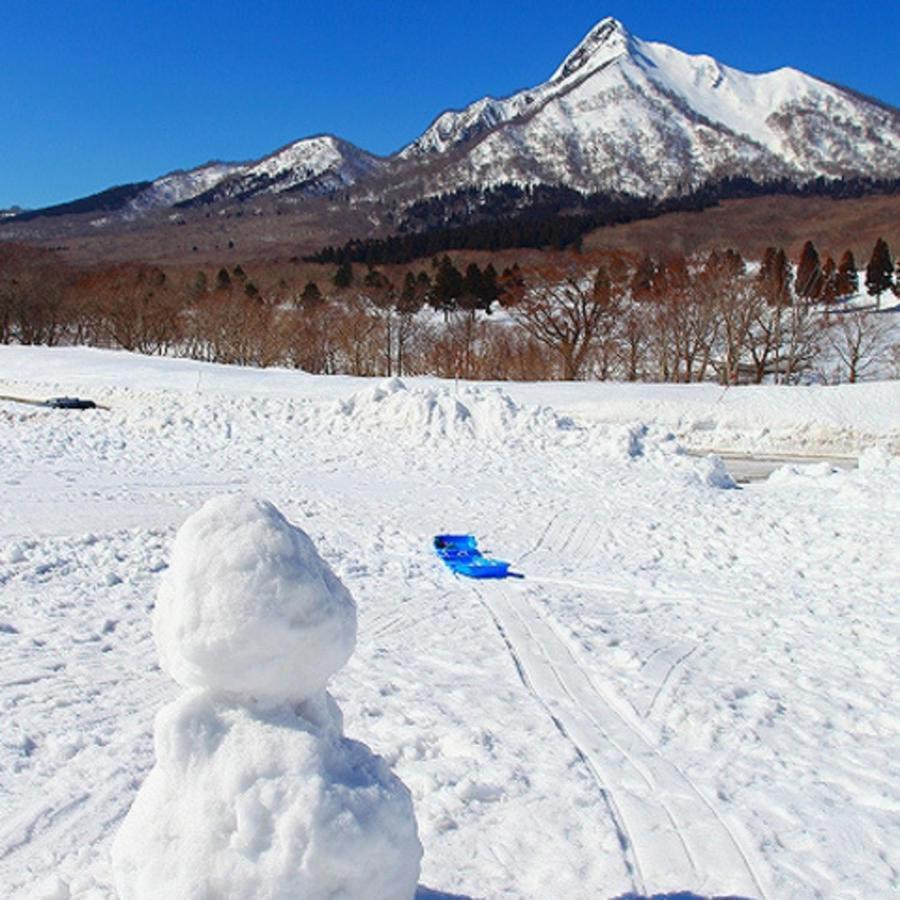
{"x": 694, "y": 688}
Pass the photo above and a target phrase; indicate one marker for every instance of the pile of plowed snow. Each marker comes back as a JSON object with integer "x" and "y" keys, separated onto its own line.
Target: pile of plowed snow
{"x": 424, "y": 415}
{"x": 651, "y": 449}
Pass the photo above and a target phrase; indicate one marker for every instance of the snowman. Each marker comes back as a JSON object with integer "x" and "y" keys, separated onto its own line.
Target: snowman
{"x": 255, "y": 792}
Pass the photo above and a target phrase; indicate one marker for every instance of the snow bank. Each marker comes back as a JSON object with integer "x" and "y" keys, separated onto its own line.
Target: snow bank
{"x": 657, "y": 452}
{"x": 248, "y": 605}
{"x": 839, "y": 419}
{"x": 438, "y": 413}
{"x": 875, "y": 483}
{"x": 835, "y": 419}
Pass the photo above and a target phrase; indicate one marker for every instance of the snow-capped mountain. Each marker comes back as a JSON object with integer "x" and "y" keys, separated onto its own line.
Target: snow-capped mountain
{"x": 618, "y": 114}
{"x": 625, "y": 114}
{"x": 178, "y": 187}
{"x": 314, "y": 165}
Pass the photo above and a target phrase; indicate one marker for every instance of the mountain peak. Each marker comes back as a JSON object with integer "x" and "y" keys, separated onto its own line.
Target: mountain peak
{"x": 606, "y": 41}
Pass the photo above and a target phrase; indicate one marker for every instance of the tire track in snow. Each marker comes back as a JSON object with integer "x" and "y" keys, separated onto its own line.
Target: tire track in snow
{"x": 541, "y": 537}
{"x": 672, "y": 837}
{"x": 671, "y": 667}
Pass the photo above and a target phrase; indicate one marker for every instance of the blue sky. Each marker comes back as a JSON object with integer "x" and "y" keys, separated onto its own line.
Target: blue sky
{"x": 101, "y": 92}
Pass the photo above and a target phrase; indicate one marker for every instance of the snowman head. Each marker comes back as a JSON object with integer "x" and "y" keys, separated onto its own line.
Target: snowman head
{"x": 249, "y": 607}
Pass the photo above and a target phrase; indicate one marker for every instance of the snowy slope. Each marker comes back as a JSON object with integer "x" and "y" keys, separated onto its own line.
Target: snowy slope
{"x": 311, "y": 166}
{"x": 180, "y": 186}
{"x": 694, "y": 688}
{"x": 622, "y": 113}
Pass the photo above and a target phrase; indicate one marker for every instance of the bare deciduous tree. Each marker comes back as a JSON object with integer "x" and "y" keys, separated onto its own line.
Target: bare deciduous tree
{"x": 859, "y": 338}
{"x": 562, "y": 307}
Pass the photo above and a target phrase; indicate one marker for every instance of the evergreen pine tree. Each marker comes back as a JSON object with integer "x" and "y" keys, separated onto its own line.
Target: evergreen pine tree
{"x": 448, "y": 285}
{"x": 490, "y": 289}
{"x": 223, "y": 279}
{"x": 829, "y": 281}
{"x": 774, "y": 276}
{"x": 343, "y": 276}
{"x": 410, "y": 295}
{"x": 377, "y": 280}
{"x": 470, "y": 297}
{"x": 880, "y": 271}
{"x": 602, "y": 287}
{"x": 311, "y": 296}
{"x": 847, "y": 279}
{"x": 642, "y": 280}
{"x": 809, "y": 273}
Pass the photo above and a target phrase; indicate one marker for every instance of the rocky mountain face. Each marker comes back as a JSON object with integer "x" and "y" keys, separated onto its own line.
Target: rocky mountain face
{"x": 618, "y": 115}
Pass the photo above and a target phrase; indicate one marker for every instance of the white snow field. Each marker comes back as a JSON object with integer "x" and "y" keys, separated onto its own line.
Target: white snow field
{"x": 695, "y": 689}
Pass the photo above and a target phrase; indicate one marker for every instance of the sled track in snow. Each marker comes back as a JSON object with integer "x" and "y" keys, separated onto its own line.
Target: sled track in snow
{"x": 672, "y": 837}
{"x": 625, "y": 842}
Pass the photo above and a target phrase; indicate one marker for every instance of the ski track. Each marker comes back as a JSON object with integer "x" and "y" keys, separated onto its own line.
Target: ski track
{"x": 672, "y": 836}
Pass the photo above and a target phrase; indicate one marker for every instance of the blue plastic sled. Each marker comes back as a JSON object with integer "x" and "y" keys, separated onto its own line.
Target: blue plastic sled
{"x": 461, "y": 555}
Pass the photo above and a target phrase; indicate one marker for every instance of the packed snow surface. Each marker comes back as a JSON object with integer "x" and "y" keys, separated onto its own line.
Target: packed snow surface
{"x": 694, "y": 688}
{"x": 247, "y": 605}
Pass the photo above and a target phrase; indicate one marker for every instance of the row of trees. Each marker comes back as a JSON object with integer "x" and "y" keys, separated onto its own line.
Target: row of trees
{"x": 691, "y": 320}
{"x": 817, "y": 280}
{"x": 568, "y": 317}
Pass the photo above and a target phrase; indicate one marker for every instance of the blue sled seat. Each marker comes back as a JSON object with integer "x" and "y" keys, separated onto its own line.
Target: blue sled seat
{"x": 460, "y": 554}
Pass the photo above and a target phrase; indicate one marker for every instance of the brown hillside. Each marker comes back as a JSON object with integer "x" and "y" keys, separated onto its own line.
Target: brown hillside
{"x": 752, "y": 225}
{"x": 267, "y": 233}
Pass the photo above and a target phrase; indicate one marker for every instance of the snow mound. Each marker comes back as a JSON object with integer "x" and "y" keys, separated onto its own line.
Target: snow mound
{"x": 875, "y": 483}
{"x": 249, "y": 803}
{"x": 656, "y": 450}
{"x": 249, "y": 606}
{"x": 879, "y": 460}
{"x": 429, "y": 414}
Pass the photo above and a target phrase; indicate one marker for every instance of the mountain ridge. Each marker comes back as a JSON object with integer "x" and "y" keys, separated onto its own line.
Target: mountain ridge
{"x": 617, "y": 115}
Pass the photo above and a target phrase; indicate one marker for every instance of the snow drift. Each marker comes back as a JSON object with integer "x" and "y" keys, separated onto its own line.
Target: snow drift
{"x": 439, "y": 413}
